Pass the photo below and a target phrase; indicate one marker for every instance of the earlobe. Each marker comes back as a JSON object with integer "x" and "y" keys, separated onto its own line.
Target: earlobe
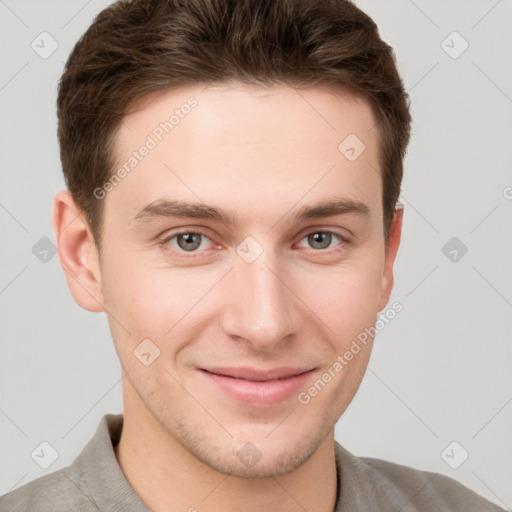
{"x": 390, "y": 256}
{"x": 77, "y": 252}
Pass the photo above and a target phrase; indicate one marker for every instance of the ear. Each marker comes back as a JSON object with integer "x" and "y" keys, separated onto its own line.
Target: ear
{"x": 77, "y": 252}
{"x": 391, "y": 252}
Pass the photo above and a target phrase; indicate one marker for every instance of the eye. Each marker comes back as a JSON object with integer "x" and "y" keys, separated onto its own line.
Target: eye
{"x": 321, "y": 240}
{"x": 196, "y": 241}
{"x": 186, "y": 241}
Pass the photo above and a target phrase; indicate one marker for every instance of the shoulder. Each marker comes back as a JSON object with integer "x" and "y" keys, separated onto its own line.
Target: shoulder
{"x": 368, "y": 483}
{"x": 92, "y": 482}
{"x": 426, "y": 490}
{"x": 56, "y": 492}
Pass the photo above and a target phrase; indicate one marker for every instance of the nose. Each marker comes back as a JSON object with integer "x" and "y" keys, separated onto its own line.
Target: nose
{"x": 262, "y": 309}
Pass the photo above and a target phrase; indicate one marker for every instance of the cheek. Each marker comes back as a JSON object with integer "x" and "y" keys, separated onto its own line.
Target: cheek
{"x": 344, "y": 297}
{"x": 147, "y": 304}
{"x": 151, "y": 301}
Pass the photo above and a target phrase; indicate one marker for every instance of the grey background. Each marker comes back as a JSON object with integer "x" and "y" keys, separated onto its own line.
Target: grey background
{"x": 440, "y": 371}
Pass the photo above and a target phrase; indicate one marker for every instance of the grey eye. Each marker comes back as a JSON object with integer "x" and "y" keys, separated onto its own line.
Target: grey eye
{"x": 320, "y": 240}
{"x": 189, "y": 241}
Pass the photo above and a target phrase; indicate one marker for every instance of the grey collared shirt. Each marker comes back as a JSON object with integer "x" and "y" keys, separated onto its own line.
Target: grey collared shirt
{"x": 95, "y": 482}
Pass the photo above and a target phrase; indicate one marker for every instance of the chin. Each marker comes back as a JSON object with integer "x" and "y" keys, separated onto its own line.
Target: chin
{"x": 250, "y": 461}
{"x": 258, "y": 452}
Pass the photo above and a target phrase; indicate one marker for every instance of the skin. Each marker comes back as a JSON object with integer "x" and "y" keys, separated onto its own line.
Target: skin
{"x": 261, "y": 154}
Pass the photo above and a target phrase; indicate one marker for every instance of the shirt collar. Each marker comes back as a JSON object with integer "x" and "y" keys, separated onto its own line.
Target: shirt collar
{"x": 98, "y": 475}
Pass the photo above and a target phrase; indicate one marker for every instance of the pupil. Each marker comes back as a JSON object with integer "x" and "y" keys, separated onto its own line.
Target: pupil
{"x": 323, "y": 238}
{"x": 191, "y": 241}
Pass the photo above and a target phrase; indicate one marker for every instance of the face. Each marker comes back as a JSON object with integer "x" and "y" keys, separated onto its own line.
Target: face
{"x": 228, "y": 315}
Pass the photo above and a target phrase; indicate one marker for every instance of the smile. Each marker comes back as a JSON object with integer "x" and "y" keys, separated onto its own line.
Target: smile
{"x": 258, "y": 388}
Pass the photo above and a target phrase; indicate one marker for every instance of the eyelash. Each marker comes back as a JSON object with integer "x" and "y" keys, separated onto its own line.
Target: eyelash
{"x": 164, "y": 243}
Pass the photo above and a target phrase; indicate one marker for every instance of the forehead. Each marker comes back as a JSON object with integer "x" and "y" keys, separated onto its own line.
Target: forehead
{"x": 325, "y": 112}
{"x": 268, "y": 145}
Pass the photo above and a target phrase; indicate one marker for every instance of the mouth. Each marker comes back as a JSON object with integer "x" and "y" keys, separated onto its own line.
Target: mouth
{"x": 258, "y": 387}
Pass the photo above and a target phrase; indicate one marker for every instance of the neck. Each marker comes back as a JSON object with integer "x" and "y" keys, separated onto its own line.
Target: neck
{"x": 167, "y": 477}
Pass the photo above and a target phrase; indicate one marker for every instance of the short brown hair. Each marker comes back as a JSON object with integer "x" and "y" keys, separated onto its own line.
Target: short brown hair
{"x": 134, "y": 48}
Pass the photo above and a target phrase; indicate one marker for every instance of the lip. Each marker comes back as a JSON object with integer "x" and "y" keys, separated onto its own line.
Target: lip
{"x": 258, "y": 388}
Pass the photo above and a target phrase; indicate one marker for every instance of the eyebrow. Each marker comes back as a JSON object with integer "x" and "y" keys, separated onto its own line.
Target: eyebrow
{"x": 166, "y": 208}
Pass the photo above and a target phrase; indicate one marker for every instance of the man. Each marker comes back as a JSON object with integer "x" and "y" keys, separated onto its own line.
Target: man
{"x": 268, "y": 137}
